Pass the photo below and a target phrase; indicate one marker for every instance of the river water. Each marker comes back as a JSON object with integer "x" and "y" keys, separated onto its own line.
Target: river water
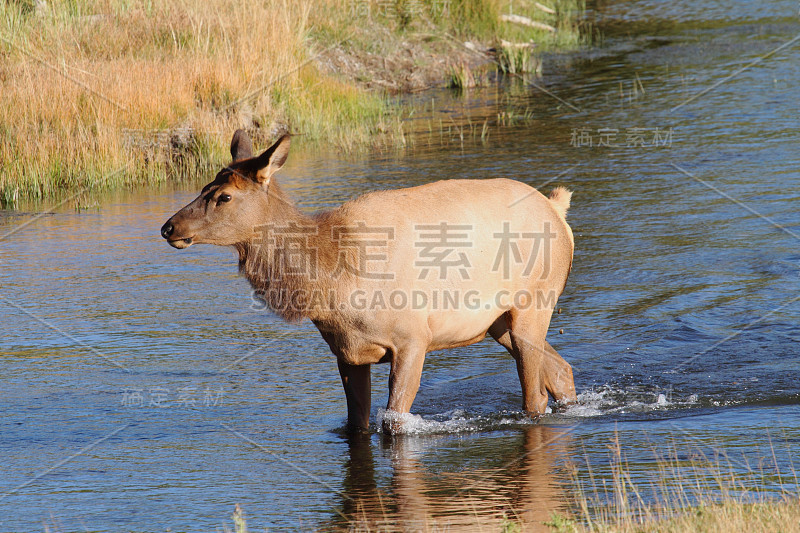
{"x": 140, "y": 391}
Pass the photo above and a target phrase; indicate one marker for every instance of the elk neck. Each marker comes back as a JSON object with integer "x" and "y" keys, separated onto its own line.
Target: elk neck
{"x": 289, "y": 252}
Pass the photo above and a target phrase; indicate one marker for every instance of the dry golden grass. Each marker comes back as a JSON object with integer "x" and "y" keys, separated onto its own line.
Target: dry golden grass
{"x": 103, "y": 93}
{"x": 730, "y": 517}
{"x": 687, "y": 493}
{"x": 726, "y": 517}
{"x": 85, "y": 84}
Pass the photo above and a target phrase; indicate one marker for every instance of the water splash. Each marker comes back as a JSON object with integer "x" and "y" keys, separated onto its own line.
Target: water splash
{"x": 595, "y": 402}
{"x": 455, "y": 421}
{"x": 613, "y": 400}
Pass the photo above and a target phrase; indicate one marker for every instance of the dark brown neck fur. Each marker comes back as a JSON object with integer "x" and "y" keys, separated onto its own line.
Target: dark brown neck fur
{"x": 290, "y": 255}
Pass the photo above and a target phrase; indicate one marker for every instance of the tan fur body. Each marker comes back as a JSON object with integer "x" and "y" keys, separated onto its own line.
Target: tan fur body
{"x": 401, "y": 303}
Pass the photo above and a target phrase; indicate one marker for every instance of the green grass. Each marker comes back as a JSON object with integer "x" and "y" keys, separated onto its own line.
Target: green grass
{"x": 93, "y": 91}
{"x": 684, "y": 492}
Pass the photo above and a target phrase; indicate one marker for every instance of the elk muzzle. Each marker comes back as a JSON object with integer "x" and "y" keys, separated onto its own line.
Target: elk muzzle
{"x": 168, "y": 232}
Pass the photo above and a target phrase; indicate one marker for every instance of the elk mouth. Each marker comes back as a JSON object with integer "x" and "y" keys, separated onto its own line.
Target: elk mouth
{"x": 180, "y": 244}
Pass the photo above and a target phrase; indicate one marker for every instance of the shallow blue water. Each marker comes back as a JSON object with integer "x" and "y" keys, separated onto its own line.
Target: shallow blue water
{"x": 140, "y": 390}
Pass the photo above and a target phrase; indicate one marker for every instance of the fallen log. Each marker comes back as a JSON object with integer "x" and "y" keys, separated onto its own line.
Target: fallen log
{"x": 509, "y": 44}
{"x": 525, "y": 21}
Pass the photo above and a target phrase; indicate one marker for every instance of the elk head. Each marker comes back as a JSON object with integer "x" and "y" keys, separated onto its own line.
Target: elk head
{"x": 229, "y": 207}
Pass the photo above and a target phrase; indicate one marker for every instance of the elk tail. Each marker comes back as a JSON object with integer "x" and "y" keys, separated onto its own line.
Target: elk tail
{"x": 560, "y": 197}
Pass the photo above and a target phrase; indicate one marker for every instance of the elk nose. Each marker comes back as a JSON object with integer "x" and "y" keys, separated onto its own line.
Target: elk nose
{"x": 167, "y": 229}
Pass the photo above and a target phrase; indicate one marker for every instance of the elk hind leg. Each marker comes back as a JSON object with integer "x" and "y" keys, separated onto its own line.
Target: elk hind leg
{"x": 554, "y": 372}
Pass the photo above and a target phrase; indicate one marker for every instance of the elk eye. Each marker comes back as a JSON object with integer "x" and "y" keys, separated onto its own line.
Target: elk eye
{"x": 223, "y": 198}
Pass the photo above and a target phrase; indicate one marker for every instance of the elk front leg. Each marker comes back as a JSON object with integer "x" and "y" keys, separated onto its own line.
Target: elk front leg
{"x": 528, "y": 330}
{"x": 358, "y": 389}
{"x": 404, "y": 381}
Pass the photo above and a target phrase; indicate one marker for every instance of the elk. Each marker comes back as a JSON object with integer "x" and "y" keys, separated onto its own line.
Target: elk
{"x": 395, "y": 274}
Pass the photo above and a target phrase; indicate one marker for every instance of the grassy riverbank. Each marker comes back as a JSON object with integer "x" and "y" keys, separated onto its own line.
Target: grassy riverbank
{"x": 722, "y": 517}
{"x": 98, "y": 94}
{"x": 683, "y": 492}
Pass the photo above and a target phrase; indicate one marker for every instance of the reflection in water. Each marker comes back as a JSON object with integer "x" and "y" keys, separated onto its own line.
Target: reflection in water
{"x": 524, "y": 483}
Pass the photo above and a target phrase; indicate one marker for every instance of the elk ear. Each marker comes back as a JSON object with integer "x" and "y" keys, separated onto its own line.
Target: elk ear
{"x": 272, "y": 160}
{"x": 241, "y": 147}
